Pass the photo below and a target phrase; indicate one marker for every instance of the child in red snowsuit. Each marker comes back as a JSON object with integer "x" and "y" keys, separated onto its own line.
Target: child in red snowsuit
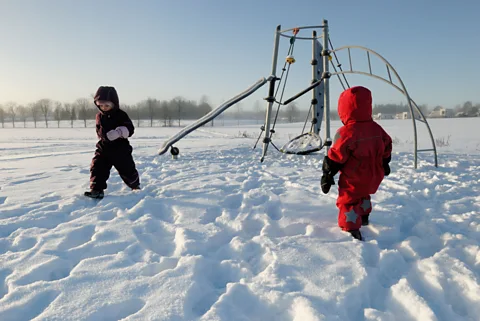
{"x": 361, "y": 151}
{"x": 113, "y": 128}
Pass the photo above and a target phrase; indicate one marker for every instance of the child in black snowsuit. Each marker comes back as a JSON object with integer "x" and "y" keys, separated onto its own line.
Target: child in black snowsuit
{"x": 113, "y": 128}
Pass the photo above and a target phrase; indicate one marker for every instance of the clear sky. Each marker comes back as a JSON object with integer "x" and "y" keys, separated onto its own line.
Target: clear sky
{"x": 65, "y": 49}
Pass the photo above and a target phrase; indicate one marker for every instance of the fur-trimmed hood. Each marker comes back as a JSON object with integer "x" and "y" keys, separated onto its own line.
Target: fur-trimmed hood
{"x": 107, "y": 93}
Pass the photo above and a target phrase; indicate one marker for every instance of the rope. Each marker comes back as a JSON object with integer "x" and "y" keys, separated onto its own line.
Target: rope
{"x": 339, "y": 66}
{"x": 290, "y": 50}
{"x": 306, "y": 119}
{"x": 262, "y": 129}
{"x": 271, "y": 142}
{"x": 281, "y": 96}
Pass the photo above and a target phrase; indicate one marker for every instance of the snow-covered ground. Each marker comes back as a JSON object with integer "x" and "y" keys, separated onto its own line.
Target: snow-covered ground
{"x": 217, "y": 235}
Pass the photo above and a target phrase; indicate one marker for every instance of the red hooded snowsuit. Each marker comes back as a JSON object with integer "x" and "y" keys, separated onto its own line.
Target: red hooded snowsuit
{"x": 361, "y": 147}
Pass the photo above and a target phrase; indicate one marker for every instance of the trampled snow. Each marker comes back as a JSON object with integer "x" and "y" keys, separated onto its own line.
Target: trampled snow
{"x": 217, "y": 235}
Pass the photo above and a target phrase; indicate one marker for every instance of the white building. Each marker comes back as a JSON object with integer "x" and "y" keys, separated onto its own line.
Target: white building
{"x": 441, "y": 113}
{"x": 403, "y": 115}
{"x": 382, "y": 116}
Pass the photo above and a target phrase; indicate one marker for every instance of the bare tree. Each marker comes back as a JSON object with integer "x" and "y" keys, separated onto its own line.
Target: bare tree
{"x": 164, "y": 112}
{"x": 65, "y": 111}
{"x": 222, "y": 115}
{"x": 467, "y": 106}
{"x": 57, "y": 113}
{"x": 179, "y": 105}
{"x": 469, "y": 109}
{"x": 2, "y": 116}
{"x": 12, "y": 109}
{"x": 257, "y": 109}
{"x": 127, "y": 108}
{"x": 151, "y": 108}
{"x": 70, "y": 112}
{"x": 45, "y": 105}
{"x": 34, "y": 110}
{"x": 424, "y": 109}
{"x": 238, "y": 113}
{"x": 137, "y": 112}
{"x": 82, "y": 105}
{"x": 292, "y": 112}
{"x": 205, "y": 107}
{"x": 475, "y": 111}
{"x": 23, "y": 112}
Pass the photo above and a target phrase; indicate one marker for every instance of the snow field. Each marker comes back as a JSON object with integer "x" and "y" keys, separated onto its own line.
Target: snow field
{"x": 217, "y": 235}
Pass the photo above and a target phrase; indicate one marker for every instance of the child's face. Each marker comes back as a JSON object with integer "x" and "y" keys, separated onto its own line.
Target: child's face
{"x": 105, "y": 105}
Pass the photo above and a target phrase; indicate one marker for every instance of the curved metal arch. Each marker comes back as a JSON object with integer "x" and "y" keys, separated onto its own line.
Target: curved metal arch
{"x": 282, "y": 33}
{"x": 402, "y": 89}
{"x": 302, "y": 38}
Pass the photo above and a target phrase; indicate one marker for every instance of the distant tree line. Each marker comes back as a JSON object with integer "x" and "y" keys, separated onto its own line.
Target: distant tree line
{"x": 46, "y": 110}
{"x": 171, "y": 113}
{"x": 156, "y": 112}
{"x": 468, "y": 109}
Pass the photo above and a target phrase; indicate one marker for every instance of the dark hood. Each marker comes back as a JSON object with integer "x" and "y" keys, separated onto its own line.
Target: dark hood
{"x": 355, "y": 105}
{"x": 109, "y": 94}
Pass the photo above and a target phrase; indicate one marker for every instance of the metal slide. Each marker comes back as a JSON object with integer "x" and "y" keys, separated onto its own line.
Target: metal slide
{"x": 211, "y": 115}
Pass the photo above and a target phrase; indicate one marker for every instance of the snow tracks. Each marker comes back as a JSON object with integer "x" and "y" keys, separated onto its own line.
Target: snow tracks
{"x": 216, "y": 235}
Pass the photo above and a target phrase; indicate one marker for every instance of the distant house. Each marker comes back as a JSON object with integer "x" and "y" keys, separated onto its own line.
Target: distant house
{"x": 403, "y": 115}
{"x": 467, "y": 114}
{"x": 438, "y": 113}
{"x": 441, "y": 113}
{"x": 382, "y": 116}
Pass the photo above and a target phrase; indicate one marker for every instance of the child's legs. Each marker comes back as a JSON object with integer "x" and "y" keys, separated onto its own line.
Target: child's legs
{"x": 365, "y": 206}
{"x": 351, "y": 211}
{"x": 99, "y": 170}
{"x": 348, "y": 217}
{"x": 126, "y": 167}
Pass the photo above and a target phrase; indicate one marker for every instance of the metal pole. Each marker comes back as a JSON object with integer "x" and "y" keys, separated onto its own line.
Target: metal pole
{"x": 326, "y": 82}
{"x": 271, "y": 92}
{"x": 316, "y": 117}
{"x": 321, "y": 88}
{"x": 315, "y": 102}
{"x": 415, "y": 138}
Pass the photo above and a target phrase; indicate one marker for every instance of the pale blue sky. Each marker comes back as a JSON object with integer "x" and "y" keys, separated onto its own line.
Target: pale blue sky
{"x": 63, "y": 49}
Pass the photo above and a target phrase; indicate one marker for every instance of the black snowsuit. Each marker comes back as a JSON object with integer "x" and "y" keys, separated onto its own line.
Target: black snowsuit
{"x": 117, "y": 153}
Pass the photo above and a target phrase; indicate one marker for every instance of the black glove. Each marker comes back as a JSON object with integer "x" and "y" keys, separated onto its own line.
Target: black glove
{"x": 329, "y": 169}
{"x": 326, "y": 182}
{"x": 386, "y": 166}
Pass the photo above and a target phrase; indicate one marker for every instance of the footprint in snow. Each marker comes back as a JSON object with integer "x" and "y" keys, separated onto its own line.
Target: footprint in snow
{"x": 77, "y": 237}
{"x": 4, "y": 273}
{"x": 117, "y": 311}
{"x": 32, "y": 307}
{"x": 166, "y": 263}
{"x": 55, "y": 269}
{"x": 154, "y": 236}
{"x": 211, "y": 215}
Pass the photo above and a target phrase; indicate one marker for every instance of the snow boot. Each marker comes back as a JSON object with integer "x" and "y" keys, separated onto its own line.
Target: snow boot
{"x": 136, "y": 188}
{"x": 365, "y": 220}
{"x": 94, "y": 194}
{"x": 356, "y": 234}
